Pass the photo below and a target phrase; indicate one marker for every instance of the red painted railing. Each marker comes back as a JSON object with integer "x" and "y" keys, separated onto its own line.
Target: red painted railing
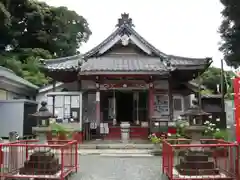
{"x": 15, "y": 156}
{"x": 227, "y": 162}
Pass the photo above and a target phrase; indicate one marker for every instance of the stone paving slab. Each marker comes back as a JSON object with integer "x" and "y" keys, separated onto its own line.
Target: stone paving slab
{"x": 113, "y": 151}
{"x": 118, "y": 168}
{"x": 116, "y": 146}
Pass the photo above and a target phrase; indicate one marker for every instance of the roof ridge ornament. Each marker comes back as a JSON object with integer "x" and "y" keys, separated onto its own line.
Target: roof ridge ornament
{"x": 125, "y": 20}
{"x": 125, "y": 40}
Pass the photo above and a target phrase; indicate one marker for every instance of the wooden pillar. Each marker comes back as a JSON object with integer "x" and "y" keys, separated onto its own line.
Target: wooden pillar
{"x": 170, "y": 98}
{"x": 80, "y": 104}
{"x": 114, "y": 108}
{"x": 54, "y": 89}
{"x": 98, "y": 112}
{"x": 151, "y": 100}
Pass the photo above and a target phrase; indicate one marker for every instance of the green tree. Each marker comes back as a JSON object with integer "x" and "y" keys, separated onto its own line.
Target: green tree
{"x": 230, "y": 32}
{"x": 212, "y": 77}
{"x": 30, "y": 30}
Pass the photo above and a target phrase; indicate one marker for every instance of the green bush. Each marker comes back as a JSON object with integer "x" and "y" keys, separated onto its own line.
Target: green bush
{"x": 222, "y": 134}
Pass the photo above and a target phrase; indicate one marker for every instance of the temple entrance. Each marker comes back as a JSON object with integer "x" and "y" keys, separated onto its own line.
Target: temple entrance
{"x": 124, "y": 105}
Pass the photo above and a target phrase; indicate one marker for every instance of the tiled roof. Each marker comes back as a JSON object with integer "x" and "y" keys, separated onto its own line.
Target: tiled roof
{"x": 184, "y": 61}
{"x": 104, "y": 62}
{"x": 8, "y": 74}
{"x": 124, "y": 28}
{"x": 124, "y": 63}
{"x": 66, "y": 63}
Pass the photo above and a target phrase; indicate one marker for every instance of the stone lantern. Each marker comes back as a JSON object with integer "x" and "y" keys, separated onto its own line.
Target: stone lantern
{"x": 43, "y": 117}
{"x": 195, "y": 161}
{"x": 195, "y": 116}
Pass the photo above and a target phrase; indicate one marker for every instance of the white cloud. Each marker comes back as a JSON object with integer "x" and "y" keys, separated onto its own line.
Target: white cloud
{"x": 186, "y": 28}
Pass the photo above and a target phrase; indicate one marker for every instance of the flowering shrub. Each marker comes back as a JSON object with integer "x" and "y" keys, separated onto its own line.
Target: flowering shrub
{"x": 155, "y": 140}
{"x": 210, "y": 129}
{"x": 181, "y": 125}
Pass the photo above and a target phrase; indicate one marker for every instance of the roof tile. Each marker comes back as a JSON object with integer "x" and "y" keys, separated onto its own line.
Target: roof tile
{"x": 124, "y": 63}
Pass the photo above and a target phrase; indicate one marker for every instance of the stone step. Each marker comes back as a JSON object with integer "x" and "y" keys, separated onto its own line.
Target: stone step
{"x": 199, "y": 172}
{"x": 197, "y": 165}
{"x": 196, "y": 158}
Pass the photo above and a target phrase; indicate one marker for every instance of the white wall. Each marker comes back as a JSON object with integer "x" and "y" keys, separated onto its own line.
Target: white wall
{"x": 11, "y": 118}
{"x": 42, "y": 96}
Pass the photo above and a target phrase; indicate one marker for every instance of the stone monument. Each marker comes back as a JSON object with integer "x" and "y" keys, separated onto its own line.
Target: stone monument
{"x": 42, "y": 116}
{"x": 125, "y": 128}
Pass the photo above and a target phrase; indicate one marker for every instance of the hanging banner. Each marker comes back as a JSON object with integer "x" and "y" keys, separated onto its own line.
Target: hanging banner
{"x": 236, "y": 86}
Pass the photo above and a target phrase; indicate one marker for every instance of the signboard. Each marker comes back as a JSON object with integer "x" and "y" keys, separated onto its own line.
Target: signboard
{"x": 124, "y": 86}
{"x": 236, "y": 85}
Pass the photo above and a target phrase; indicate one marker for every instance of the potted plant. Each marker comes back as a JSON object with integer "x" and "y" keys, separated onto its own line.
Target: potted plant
{"x": 154, "y": 139}
{"x": 59, "y": 131}
{"x": 157, "y": 144}
{"x": 78, "y": 136}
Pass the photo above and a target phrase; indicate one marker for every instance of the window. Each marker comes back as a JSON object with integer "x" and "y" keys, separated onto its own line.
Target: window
{"x": 177, "y": 104}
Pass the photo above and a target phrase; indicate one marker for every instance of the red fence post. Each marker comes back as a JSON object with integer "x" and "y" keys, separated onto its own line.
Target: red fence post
{"x": 76, "y": 156}
{"x": 163, "y": 158}
{"x": 237, "y": 162}
{"x": 236, "y": 85}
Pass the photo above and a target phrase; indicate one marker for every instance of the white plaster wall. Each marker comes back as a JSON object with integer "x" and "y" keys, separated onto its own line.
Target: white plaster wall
{"x": 42, "y": 96}
{"x": 11, "y": 121}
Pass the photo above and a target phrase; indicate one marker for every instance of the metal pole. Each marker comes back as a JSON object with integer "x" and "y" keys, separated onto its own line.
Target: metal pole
{"x": 222, "y": 92}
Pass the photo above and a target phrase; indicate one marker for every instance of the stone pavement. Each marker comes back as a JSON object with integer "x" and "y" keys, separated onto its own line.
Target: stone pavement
{"x": 118, "y": 168}
{"x": 116, "y": 146}
{"x": 116, "y": 152}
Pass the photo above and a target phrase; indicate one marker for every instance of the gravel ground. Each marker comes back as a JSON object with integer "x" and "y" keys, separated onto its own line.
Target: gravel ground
{"x": 118, "y": 168}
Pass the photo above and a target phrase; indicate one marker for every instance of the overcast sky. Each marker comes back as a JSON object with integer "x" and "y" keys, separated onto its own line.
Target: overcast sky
{"x": 179, "y": 27}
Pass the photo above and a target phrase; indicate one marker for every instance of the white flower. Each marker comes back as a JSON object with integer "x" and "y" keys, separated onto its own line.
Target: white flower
{"x": 206, "y": 122}
{"x": 156, "y": 123}
{"x": 210, "y": 117}
{"x": 52, "y": 120}
{"x": 179, "y": 118}
{"x": 228, "y": 127}
{"x": 181, "y": 125}
{"x": 217, "y": 129}
{"x": 169, "y": 134}
{"x": 218, "y": 119}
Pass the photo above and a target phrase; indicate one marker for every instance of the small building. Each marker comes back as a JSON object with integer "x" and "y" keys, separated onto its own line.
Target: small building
{"x": 212, "y": 104}
{"x": 15, "y": 87}
{"x": 17, "y": 101}
{"x": 123, "y": 78}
